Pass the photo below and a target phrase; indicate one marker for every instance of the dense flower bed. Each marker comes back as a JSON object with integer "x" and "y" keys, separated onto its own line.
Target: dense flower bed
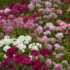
{"x": 35, "y": 35}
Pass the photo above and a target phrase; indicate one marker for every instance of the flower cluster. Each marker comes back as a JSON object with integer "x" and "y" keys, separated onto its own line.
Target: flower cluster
{"x": 35, "y": 35}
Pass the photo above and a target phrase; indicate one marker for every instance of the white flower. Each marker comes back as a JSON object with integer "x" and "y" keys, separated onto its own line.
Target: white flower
{"x": 21, "y": 47}
{"x": 7, "y": 41}
{"x": 21, "y": 38}
{"x": 39, "y": 45}
{"x": 27, "y": 39}
{"x": 5, "y": 48}
{"x": 7, "y": 10}
{"x": 33, "y": 46}
{"x": 1, "y": 43}
{"x": 30, "y": 46}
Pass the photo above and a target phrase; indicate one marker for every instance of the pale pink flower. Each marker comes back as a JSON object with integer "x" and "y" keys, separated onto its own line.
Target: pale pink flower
{"x": 48, "y": 4}
{"x": 49, "y": 46}
{"x": 39, "y": 30}
{"x": 48, "y": 10}
{"x": 43, "y": 39}
{"x": 50, "y": 26}
{"x": 49, "y": 62}
{"x": 59, "y": 35}
{"x": 52, "y": 40}
{"x": 58, "y": 46}
{"x": 59, "y": 55}
{"x": 52, "y": 15}
{"x": 58, "y": 67}
{"x": 47, "y": 32}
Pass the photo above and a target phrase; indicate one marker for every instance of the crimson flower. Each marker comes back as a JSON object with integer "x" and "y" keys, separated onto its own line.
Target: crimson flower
{"x": 45, "y": 52}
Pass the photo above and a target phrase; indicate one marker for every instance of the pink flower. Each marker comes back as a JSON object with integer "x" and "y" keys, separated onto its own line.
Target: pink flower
{"x": 47, "y": 32}
{"x": 49, "y": 62}
{"x": 48, "y": 10}
{"x": 59, "y": 35}
{"x": 8, "y": 29}
{"x": 59, "y": 55}
{"x": 30, "y": 25}
{"x": 59, "y": 11}
{"x": 52, "y": 40}
{"x": 52, "y": 15}
{"x": 11, "y": 17}
{"x": 62, "y": 24}
{"x": 58, "y": 46}
{"x": 58, "y": 28}
{"x": 39, "y": 30}
{"x": 58, "y": 67}
{"x": 49, "y": 46}
{"x": 48, "y": 4}
{"x": 50, "y": 26}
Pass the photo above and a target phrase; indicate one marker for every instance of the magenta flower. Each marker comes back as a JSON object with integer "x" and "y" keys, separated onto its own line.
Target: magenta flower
{"x": 5, "y": 62}
{"x": 34, "y": 53}
{"x": 25, "y": 18}
{"x": 10, "y": 52}
{"x": 20, "y": 58}
{"x": 36, "y": 14}
{"x": 24, "y": 8}
{"x": 36, "y": 64}
{"x": 26, "y": 60}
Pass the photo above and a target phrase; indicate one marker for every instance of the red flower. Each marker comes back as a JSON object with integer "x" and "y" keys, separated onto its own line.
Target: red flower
{"x": 45, "y": 52}
{"x": 34, "y": 53}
